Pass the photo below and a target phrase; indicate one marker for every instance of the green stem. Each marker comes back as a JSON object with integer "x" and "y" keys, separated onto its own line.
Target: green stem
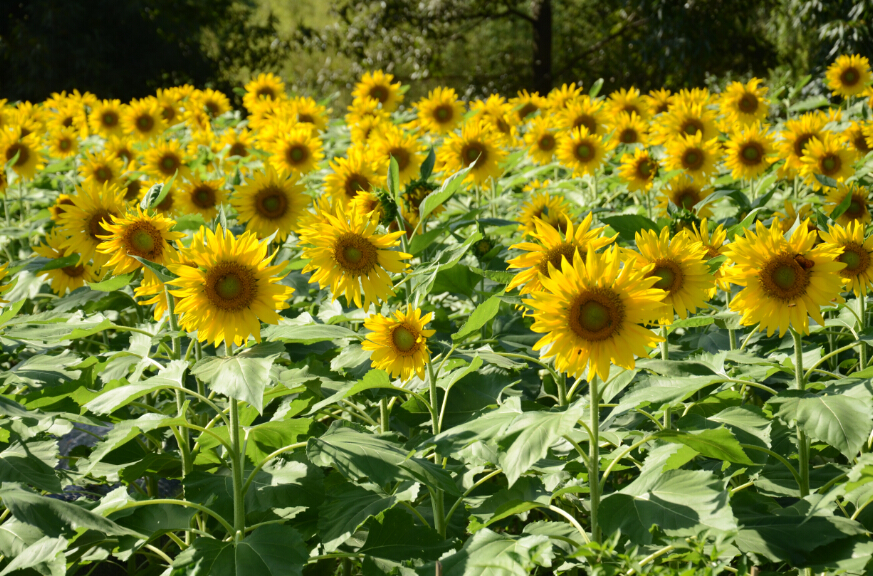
{"x": 384, "y": 425}
{"x": 561, "y": 384}
{"x": 862, "y": 348}
{"x": 197, "y": 507}
{"x": 594, "y": 457}
{"x": 239, "y": 509}
{"x": 266, "y": 459}
{"x": 802, "y": 441}
{"x": 665, "y": 355}
{"x": 436, "y": 495}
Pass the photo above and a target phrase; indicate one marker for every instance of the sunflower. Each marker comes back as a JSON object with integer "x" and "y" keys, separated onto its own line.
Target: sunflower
{"x": 713, "y": 242}
{"x": 231, "y": 290}
{"x": 168, "y": 102}
{"x": 68, "y": 278}
{"x": 627, "y": 100}
{"x": 297, "y": 151}
{"x": 558, "y": 98}
{"x": 476, "y": 143}
{"x": 137, "y": 234}
{"x": 497, "y": 114}
{"x": 848, "y": 75}
{"x": 122, "y": 148}
{"x": 826, "y": 156}
{"x": 26, "y": 148}
{"x": 213, "y": 102}
{"x": 411, "y": 199}
{"x": 368, "y": 127}
{"x": 685, "y": 192}
{"x": 102, "y": 168}
{"x": 630, "y": 129}
{"x": 105, "y": 118}
{"x": 134, "y": 188}
{"x": 583, "y": 111}
{"x": 679, "y": 264}
{"x": 694, "y": 96}
{"x": 63, "y": 143}
{"x": 238, "y": 144}
{"x": 143, "y": 119}
{"x": 350, "y": 175}
{"x": 368, "y": 203}
{"x": 791, "y": 215}
{"x": 856, "y": 136}
{"x": 263, "y": 87}
{"x": 349, "y": 256}
{"x": 541, "y": 140}
{"x": 581, "y": 151}
{"x": 857, "y": 255}
{"x": 399, "y": 343}
{"x": 697, "y": 157}
{"x": 784, "y": 280}
{"x": 592, "y": 311}
{"x": 272, "y": 202}
{"x": 305, "y": 110}
{"x": 542, "y": 206}
{"x": 527, "y": 103}
{"x": 202, "y": 197}
{"x": 796, "y": 135}
{"x": 403, "y": 147}
{"x": 659, "y": 101}
{"x": 164, "y": 159}
{"x": 685, "y": 119}
{"x": 746, "y": 151}
{"x": 859, "y": 205}
{"x": 363, "y": 108}
{"x": 638, "y": 169}
{"x": 378, "y": 85}
{"x": 549, "y": 248}
{"x": 745, "y": 103}
{"x": 60, "y": 205}
{"x": 87, "y": 219}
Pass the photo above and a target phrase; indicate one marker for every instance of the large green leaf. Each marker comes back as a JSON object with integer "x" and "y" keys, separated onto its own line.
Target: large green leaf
{"x": 443, "y": 193}
{"x": 359, "y": 455}
{"x": 31, "y": 463}
{"x": 842, "y": 422}
{"x": 270, "y": 550}
{"x": 482, "y": 314}
{"x": 46, "y": 556}
{"x": 393, "y": 535}
{"x": 115, "y": 398}
{"x": 307, "y": 333}
{"x": 679, "y": 502}
{"x": 243, "y": 376}
{"x": 488, "y": 553}
{"x": 657, "y": 391}
{"x": 719, "y": 443}
{"x": 484, "y": 428}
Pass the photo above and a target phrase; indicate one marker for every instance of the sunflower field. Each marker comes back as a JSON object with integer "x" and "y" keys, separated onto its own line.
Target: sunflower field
{"x": 567, "y": 333}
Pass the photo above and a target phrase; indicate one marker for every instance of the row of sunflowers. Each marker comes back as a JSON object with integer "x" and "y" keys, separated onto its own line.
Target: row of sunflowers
{"x": 271, "y": 307}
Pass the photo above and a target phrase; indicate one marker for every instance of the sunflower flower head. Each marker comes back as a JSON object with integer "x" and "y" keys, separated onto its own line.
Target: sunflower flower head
{"x": 746, "y": 151}
{"x": 270, "y": 202}
{"x": 857, "y": 255}
{"x": 848, "y": 75}
{"x": 139, "y": 234}
{"x": 398, "y": 343}
{"x": 638, "y": 169}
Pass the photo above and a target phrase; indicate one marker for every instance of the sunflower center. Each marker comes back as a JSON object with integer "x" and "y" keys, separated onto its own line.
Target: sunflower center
{"x": 645, "y": 169}
{"x": 271, "y": 203}
{"x": 831, "y": 164}
{"x": 305, "y": 118}
{"x": 547, "y": 142}
{"x": 355, "y": 183}
{"x": 801, "y": 142}
{"x": 265, "y": 91}
{"x": 556, "y": 255}
{"x": 168, "y": 113}
{"x": 752, "y": 154}
{"x": 584, "y": 152}
{"x": 786, "y": 276}
{"x": 64, "y": 144}
{"x": 110, "y": 119}
{"x": 142, "y": 241}
{"x": 166, "y": 204}
{"x": 103, "y": 174}
{"x": 404, "y": 339}
{"x": 748, "y": 103}
{"x": 443, "y": 113}
{"x": 856, "y": 258}
{"x": 631, "y": 109}
{"x": 132, "y": 190}
{"x": 237, "y": 149}
{"x": 169, "y": 164}
{"x": 670, "y": 276}
{"x": 596, "y": 314}
{"x": 380, "y": 93}
{"x": 22, "y": 151}
{"x": 145, "y": 123}
{"x": 860, "y": 142}
{"x": 850, "y": 77}
{"x": 230, "y": 286}
{"x": 855, "y": 208}
{"x": 472, "y": 152}
{"x": 73, "y": 271}
{"x": 212, "y": 108}
{"x": 526, "y": 110}
{"x": 296, "y": 154}
{"x": 692, "y": 126}
{"x": 355, "y": 254}
{"x": 402, "y": 157}
{"x": 203, "y": 197}
{"x": 97, "y": 224}
{"x": 692, "y": 159}
{"x": 67, "y": 122}
{"x": 588, "y": 121}
{"x": 629, "y": 136}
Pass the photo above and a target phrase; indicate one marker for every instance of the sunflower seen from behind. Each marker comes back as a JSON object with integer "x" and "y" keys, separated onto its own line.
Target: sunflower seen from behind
{"x": 398, "y": 343}
{"x": 272, "y": 202}
{"x": 87, "y": 219}
{"x": 857, "y": 255}
{"x": 784, "y": 280}
{"x": 232, "y": 289}
{"x": 581, "y": 151}
{"x": 679, "y": 265}
{"x": 548, "y": 247}
{"x": 350, "y": 256}
{"x": 592, "y": 313}
{"x": 137, "y": 234}
{"x": 848, "y": 75}
{"x": 477, "y": 146}
{"x": 67, "y": 278}
{"x": 747, "y": 151}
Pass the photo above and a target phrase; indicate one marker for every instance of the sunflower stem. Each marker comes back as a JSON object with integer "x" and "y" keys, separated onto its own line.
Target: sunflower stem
{"x": 239, "y": 508}
{"x": 862, "y": 349}
{"x": 436, "y": 495}
{"x": 384, "y": 425}
{"x": 6, "y": 209}
{"x": 594, "y": 456}
{"x": 561, "y": 384}
{"x": 802, "y": 441}
{"x": 665, "y": 345}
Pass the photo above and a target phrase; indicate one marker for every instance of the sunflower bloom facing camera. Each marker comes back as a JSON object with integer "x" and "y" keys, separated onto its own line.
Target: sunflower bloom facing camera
{"x": 746, "y": 152}
{"x": 271, "y": 202}
{"x": 581, "y": 151}
{"x": 693, "y": 155}
{"x": 68, "y": 278}
{"x": 785, "y": 281}
{"x": 826, "y": 156}
{"x": 231, "y": 290}
{"x": 399, "y": 343}
{"x": 857, "y": 255}
{"x": 477, "y": 143}
{"x": 87, "y": 219}
{"x": 858, "y": 209}
{"x": 592, "y": 314}
{"x": 638, "y": 169}
{"x": 137, "y": 234}
{"x": 848, "y": 75}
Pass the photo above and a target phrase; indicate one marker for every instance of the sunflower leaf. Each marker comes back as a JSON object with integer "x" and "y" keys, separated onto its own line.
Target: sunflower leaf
{"x": 428, "y": 164}
{"x": 162, "y": 273}
{"x": 444, "y": 192}
{"x": 113, "y": 284}
{"x": 243, "y": 376}
{"x": 844, "y": 203}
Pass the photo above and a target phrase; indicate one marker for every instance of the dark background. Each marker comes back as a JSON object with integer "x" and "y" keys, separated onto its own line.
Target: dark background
{"x": 128, "y": 48}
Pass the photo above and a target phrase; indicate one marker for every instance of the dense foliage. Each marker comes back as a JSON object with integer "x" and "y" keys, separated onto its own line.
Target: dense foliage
{"x": 553, "y": 334}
